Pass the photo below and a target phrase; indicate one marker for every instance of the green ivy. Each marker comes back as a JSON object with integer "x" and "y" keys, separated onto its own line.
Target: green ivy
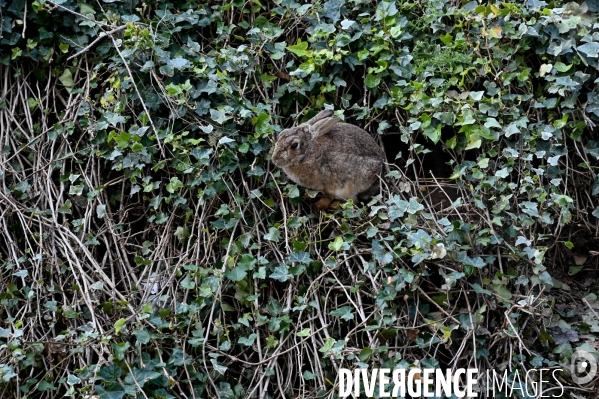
{"x": 150, "y": 249}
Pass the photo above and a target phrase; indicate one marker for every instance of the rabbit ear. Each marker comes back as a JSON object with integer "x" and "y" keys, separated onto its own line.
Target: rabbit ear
{"x": 321, "y": 115}
{"x": 322, "y": 126}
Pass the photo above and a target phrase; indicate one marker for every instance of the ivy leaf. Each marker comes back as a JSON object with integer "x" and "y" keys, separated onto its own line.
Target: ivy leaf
{"x": 66, "y": 208}
{"x": 492, "y": 122}
{"x": 110, "y": 372}
{"x": 141, "y": 376}
{"x": 561, "y": 67}
{"x": 480, "y": 290}
{"x": 346, "y": 24}
{"x": 590, "y": 49}
{"x": 372, "y": 81}
{"x": 342, "y": 40}
{"x": 301, "y": 257}
{"x": 371, "y": 232}
{"x": 201, "y": 153}
{"x": 273, "y": 234}
{"x": 385, "y": 9}
{"x": 142, "y": 335}
{"x": 182, "y": 233}
{"x": 86, "y": 9}
{"x": 187, "y": 283}
{"x": 260, "y": 274}
{"x": 73, "y": 380}
{"x": 236, "y": 274}
{"x": 148, "y": 65}
{"x": 114, "y": 119}
{"x": 308, "y": 375}
{"x": 101, "y": 211}
{"x": 299, "y": 49}
{"x": 433, "y": 133}
{"x": 119, "y": 325}
{"x": 304, "y": 333}
{"x": 438, "y": 251}
{"x": 572, "y": 270}
{"x": 495, "y": 32}
{"x": 344, "y": 312}
{"x": 104, "y": 394}
{"x": 503, "y": 173}
{"x": 293, "y": 191}
{"x": 218, "y": 367}
{"x": 67, "y": 79}
{"x": 281, "y": 274}
{"x": 546, "y": 279}
{"x": 218, "y": 116}
{"x": 382, "y": 256}
{"x": 530, "y": 208}
{"x": 592, "y": 148}
{"x": 249, "y": 341}
{"x": 502, "y": 291}
{"x": 476, "y": 95}
{"x": 447, "y": 39}
{"x": 419, "y": 239}
{"x": 595, "y": 189}
{"x": 545, "y": 69}
{"x": 477, "y": 262}
{"x": 225, "y": 346}
{"x": 178, "y": 62}
{"x": 523, "y": 240}
{"x": 398, "y": 207}
{"x": 21, "y": 273}
{"x": 161, "y": 218}
{"x": 225, "y": 140}
{"x": 414, "y": 206}
{"x": 136, "y": 147}
{"x": 76, "y": 189}
{"x": 247, "y": 262}
{"x": 567, "y": 24}
{"x": 328, "y": 345}
{"x": 174, "y": 185}
{"x": 337, "y": 244}
{"x": 365, "y": 353}
{"x": 331, "y": 9}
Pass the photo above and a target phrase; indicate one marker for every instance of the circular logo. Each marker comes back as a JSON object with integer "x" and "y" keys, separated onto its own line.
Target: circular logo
{"x": 583, "y": 367}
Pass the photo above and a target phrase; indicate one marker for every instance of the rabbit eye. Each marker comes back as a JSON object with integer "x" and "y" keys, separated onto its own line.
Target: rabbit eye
{"x": 294, "y": 146}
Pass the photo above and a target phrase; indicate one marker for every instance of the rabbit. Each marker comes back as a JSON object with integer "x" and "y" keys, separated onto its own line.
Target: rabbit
{"x": 340, "y": 159}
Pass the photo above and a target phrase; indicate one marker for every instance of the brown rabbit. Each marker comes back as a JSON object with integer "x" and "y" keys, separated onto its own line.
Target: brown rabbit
{"x": 337, "y": 158}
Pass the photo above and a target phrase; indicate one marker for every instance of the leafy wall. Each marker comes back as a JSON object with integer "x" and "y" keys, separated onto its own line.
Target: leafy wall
{"x": 150, "y": 249}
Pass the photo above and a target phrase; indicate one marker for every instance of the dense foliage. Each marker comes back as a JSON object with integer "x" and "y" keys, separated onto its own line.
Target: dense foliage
{"x": 149, "y": 248}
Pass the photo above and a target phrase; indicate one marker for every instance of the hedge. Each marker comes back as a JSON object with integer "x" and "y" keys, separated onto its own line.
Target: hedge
{"x": 149, "y": 248}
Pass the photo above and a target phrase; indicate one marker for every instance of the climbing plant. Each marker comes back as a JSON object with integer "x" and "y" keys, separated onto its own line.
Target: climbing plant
{"x": 149, "y": 248}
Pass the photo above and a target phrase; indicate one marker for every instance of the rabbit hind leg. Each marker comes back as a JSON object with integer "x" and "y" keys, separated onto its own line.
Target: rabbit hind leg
{"x": 324, "y": 202}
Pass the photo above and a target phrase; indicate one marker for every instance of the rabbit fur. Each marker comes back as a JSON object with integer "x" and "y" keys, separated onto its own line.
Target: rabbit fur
{"x": 340, "y": 159}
